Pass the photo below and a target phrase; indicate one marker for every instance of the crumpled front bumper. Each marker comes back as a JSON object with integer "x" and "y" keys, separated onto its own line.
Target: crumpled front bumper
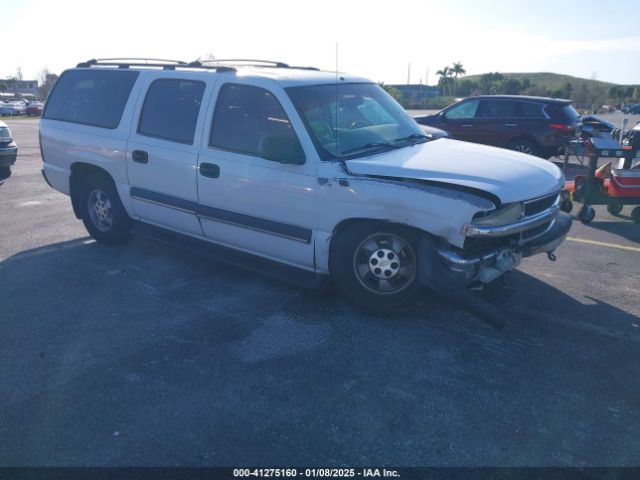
{"x": 489, "y": 265}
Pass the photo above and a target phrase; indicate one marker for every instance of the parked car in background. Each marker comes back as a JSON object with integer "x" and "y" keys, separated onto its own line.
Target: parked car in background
{"x": 634, "y": 110}
{"x": 535, "y": 125}
{"x": 35, "y": 108}
{"x": 11, "y": 109}
{"x": 8, "y": 150}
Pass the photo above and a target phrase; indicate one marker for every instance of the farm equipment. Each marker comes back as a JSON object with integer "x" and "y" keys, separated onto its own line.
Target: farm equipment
{"x": 613, "y": 186}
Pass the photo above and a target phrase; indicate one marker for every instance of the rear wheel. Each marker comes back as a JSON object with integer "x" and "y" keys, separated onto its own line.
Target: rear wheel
{"x": 102, "y": 213}
{"x": 524, "y": 146}
{"x": 614, "y": 208}
{"x": 635, "y": 214}
{"x": 375, "y": 266}
{"x": 5, "y": 172}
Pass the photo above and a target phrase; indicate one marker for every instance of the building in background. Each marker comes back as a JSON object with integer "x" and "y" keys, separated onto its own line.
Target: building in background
{"x": 27, "y": 89}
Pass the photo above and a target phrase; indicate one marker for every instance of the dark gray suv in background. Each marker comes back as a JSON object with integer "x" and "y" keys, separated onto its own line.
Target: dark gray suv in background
{"x": 535, "y": 125}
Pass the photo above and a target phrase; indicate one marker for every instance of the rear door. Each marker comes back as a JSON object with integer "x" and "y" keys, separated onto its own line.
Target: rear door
{"x": 497, "y": 122}
{"x": 162, "y": 153}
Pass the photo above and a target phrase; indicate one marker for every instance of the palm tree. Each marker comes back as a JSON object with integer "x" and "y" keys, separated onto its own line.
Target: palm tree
{"x": 456, "y": 70}
{"x": 445, "y": 79}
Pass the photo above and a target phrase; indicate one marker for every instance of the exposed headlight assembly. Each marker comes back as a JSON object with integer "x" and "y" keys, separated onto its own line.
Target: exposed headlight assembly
{"x": 503, "y": 216}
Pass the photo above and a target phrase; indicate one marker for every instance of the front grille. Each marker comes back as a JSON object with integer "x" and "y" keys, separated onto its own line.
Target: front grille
{"x": 535, "y": 231}
{"x": 539, "y": 204}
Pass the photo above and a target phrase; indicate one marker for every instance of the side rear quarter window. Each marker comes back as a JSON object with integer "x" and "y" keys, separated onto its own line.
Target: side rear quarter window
{"x": 90, "y": 97}
{"x": 170, "y": 110}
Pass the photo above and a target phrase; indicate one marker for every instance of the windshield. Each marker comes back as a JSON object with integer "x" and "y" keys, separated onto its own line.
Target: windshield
{"x": 354, "y": 119}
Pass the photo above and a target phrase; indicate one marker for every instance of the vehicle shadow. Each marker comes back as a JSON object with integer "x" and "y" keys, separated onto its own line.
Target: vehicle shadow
{"x": 629, "y": 230}
{"x": 150, "y": 272}
{"x": 526, "y": 300}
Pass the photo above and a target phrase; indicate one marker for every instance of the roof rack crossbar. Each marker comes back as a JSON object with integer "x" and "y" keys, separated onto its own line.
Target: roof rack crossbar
{"x": 248, "y": 62}
{"x": 107, "y": 62}
{"x": 135, "y": 59}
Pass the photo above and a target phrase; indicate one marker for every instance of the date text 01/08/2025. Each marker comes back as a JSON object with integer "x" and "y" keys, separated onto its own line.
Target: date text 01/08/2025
{"x": 315, "y": 472}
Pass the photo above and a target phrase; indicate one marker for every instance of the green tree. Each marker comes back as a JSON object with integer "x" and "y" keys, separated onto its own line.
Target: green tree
{"x": 445, "y": 80}
{"x": 567, "y": 90}
{"x": 467, "y": 87}
{"x": 457, "y": 69}
{"x": 394, "y": 92}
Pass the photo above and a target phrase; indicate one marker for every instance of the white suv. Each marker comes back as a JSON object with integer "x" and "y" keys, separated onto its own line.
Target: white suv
{"x": 295, "y": 171}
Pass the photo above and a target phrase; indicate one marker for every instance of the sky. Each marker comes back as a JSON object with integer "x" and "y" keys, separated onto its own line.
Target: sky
{"x": 375, "y": 39}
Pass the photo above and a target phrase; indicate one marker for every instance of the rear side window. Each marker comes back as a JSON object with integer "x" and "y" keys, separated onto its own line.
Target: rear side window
{"x": 529, "y": 110}
{"x": 90, "y": 97}
{"x": 496, "y": 109}
{"x": 170, "y": 110}
{"x": 570, "y": 112}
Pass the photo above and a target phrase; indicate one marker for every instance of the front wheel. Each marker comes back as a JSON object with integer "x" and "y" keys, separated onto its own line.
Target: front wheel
{"x": 635, "y": 214}
{"x": 5, "y": 172}
{"x": 614, "y": 209}
{"x": 524, "y": 146}
{"x": 375, "y": 266}
{"x": 587, "y": 214}
{"x": 102, "y": 212}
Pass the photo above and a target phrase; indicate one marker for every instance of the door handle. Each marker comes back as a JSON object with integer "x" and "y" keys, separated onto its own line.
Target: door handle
{"x": 466, "y": 125}
{"x": 510, "y": 124}
{"x": 210, "y": 170}
{"x": 140, "y": 156}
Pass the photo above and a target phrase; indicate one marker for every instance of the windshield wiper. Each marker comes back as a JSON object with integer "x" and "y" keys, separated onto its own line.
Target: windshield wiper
{"x": 413, "y": 136}
{"x": 369, "y": 146}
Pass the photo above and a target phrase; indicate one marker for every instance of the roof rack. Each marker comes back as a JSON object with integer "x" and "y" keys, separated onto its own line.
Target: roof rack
{"x": 253, "y": 63}
{"x": 127, "y": 62}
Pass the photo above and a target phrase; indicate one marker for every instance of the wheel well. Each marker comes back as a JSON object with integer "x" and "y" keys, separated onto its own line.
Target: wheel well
{"x": 79, "y": 172}
{"x": 362, "y": 221}
{"x": 528, "y": 138}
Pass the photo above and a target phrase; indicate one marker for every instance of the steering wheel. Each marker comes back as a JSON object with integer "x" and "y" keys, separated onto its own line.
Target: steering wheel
{"x": 357, "y": 124}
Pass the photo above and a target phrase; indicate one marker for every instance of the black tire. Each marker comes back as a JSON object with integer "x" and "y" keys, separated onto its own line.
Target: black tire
{"x": 635, "y": 214}
{"x": 587, "y": 214}
{"x": 566, "y": 205}
{"x": 615, "y": 209}
{"x": 524, "y": 146}
{"x": 391, "y": 252}
{"x": 107, "y": 221}
{"x": 5, "y": 172}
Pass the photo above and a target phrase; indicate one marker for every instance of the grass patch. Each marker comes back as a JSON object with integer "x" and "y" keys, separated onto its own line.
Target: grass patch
{"x": 19, "y": 117}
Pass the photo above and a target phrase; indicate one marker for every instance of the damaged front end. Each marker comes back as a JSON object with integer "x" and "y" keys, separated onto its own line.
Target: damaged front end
{"x": 492, "y": 249}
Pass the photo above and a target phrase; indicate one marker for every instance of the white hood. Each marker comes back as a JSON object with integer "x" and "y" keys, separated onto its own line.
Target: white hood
{"x": 511, "y": 176}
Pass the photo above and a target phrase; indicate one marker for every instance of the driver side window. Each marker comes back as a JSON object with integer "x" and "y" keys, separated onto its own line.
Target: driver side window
{"x": 463, "y": 110}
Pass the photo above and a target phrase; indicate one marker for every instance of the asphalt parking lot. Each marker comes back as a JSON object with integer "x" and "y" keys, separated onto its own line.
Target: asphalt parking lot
{"x": 148, "y": 355}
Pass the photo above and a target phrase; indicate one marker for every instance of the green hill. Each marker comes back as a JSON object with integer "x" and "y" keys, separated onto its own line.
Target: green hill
{"x": 550, "y": 81}
{"x": 586, "y": 94}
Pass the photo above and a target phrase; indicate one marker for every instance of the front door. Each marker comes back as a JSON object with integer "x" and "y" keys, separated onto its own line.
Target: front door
{"x": 256, "y": 190}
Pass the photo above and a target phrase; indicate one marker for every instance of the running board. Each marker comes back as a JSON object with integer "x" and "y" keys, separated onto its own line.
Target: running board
{"x": 263, "y": 266}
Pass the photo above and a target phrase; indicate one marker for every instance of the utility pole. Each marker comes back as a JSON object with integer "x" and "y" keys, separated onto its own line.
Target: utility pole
{"x": 409, "y": 74}
{"x": 426, "y": 78}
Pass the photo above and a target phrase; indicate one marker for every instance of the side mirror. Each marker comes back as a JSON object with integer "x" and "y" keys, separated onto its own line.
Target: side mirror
{"x": 443, "y": 117}
{"x": 286, "y": 150}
